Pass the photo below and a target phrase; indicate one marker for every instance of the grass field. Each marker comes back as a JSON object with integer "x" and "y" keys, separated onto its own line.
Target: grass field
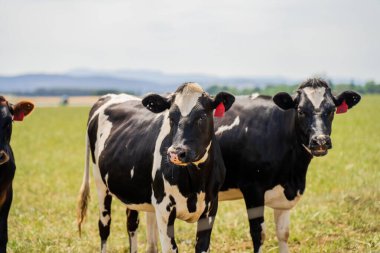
{"x": 340, "y": 211}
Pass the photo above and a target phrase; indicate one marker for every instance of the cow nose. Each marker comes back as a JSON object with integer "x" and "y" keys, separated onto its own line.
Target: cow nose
{"x": 182, "y": 155}
{"x": 321, "y": 141}
{"x": 178, "y": 155}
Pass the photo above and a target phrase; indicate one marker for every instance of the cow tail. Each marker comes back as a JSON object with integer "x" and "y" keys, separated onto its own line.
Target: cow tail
{"x": 84, "y": 193}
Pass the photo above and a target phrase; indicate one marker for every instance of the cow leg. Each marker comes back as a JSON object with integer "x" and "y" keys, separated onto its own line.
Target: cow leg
{"x": 282, "y": 220}
{"x": 104, "y": 224}
{"x": 132, "y": 225}
{"x": 4, "y": 211}
{"x": 204, "y": 227}
{"x": 165, "y": 222}
{"x": 151, "y": 232}
{"x": 254, "y": 202}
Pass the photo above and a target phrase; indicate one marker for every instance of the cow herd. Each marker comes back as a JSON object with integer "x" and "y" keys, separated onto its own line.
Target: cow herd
{"x": 175, "y": 156}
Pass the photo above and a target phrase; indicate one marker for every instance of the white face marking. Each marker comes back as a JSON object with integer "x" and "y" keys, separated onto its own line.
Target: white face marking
{"x": 318, "y": 123}
{"x": 187, "y": 100}
{"x": 254, "y": 95}
{"x": 275, "y": 198}
{"x": 221, "y": 129}
{"x": 316, "y": 96}
{"x": 132, "y": 171}
{"x": 205, "y": 156}
{"x": 246, "y": 129}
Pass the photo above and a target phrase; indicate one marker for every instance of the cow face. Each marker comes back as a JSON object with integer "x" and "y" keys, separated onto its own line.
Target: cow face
{"x": 316, "y": 106}
{"x": 191, "y": 121}
{"x": 8, "y": 113}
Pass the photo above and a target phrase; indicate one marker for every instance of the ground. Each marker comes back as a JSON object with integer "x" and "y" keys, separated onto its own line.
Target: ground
{"x": 340, "y": 211}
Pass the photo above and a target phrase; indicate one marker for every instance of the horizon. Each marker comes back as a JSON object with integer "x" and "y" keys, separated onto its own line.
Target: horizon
{"x": 110, "y": 72}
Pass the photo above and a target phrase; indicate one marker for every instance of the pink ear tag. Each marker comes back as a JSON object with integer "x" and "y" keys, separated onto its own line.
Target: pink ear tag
{"x": 219, "y": 111}
{"x": 19, "y": 116}
{"x": 342, "y": 108}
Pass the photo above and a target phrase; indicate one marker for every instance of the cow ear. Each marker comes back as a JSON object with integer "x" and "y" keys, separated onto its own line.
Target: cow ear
{"x": 284, "y": 101}
{"x": 351, "y": 98}
{"x": 224, "y": 98}
{"x": 22, "y": 109}
{"x": 156, "y": 103}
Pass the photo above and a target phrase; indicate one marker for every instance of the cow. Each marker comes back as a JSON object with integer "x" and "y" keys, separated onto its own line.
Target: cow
{"x": 166, "y": 163}
{"x": 8, "y": 114}
{"x": 267, "y": 144}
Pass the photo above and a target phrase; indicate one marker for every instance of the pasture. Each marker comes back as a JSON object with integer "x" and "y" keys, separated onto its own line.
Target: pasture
{"x": 340, "y": 211}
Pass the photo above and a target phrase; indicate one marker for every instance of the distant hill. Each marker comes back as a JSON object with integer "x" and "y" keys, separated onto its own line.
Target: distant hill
{"x": 86, "y": 81}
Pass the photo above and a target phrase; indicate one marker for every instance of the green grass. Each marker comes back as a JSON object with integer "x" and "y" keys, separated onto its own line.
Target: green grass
{"x": 340, "y": 211}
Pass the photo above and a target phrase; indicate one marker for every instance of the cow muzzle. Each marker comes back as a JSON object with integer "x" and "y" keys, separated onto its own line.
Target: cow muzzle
{"x": 4, "y": 157}
{"x": 319, "y": 145}
{"x": 178, "y": 156}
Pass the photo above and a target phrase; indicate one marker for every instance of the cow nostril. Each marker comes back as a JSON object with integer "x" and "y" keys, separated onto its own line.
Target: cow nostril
{"x": 321, "y": 140}
{"x": 182, "y": 155}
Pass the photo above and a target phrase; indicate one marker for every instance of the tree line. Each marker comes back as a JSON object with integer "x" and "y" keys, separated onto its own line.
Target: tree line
{"x": 370, "y": 87}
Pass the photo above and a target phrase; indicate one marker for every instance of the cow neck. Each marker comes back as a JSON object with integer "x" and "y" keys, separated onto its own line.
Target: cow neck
{"x": 196, "y": 174}
{"x": 303, "y": 158}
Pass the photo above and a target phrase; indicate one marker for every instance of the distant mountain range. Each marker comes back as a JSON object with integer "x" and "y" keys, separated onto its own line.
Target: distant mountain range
{"x": 136, "y": 81}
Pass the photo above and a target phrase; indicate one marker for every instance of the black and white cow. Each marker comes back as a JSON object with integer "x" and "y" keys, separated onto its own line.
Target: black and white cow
{"x": 267, "y": 145}
{"x": 168, "y": 162}
{"x": 8, "y": 113}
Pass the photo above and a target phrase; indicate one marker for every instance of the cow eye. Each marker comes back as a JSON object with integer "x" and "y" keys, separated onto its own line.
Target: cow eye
{"x": 328, "y": 113}
{"x": 300, "y": 112}
{"x": 171, "y": 121}
{"x": 203, "y": 116}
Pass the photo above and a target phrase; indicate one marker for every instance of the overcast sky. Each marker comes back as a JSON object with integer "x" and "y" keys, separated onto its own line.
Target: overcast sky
{"x": 227, "y": 38}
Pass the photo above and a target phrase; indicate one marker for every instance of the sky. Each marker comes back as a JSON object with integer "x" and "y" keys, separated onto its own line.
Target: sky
{"x": 295, "y": 39}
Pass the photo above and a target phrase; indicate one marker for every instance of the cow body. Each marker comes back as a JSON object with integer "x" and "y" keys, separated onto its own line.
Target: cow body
{"x": 261, "y": 150}
{"x": 8, "y": 113}
{"x": 156, "y": 162}
{"x": 267, "y": 150}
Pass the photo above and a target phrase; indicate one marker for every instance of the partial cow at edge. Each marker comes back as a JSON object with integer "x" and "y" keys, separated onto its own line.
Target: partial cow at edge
{"x": 8, "y": 114}
{"x": 267, "y": 144}
{"x": 164, "y": 160}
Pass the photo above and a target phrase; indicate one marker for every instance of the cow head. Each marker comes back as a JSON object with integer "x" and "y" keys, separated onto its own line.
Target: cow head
{"x": 191, "y": 121}
{"x": 316, "y": 106}
{"x": 8, "y": 113}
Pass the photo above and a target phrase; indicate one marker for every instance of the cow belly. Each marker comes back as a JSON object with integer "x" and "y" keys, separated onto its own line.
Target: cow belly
{"x": 230, "y": 194}
{"x": 275, "y": 198}
{"x": 141, "y": 207}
